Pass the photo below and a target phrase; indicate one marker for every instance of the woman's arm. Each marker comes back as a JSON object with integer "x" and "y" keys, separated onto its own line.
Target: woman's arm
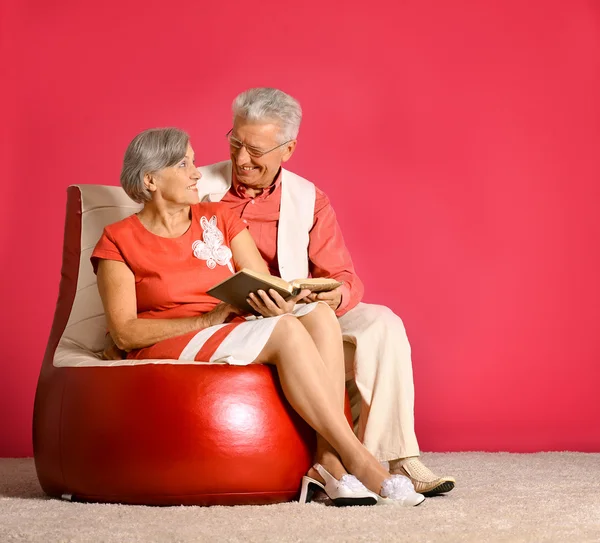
{"x": 116, "y": 284}
{"x": 247, "y": 255}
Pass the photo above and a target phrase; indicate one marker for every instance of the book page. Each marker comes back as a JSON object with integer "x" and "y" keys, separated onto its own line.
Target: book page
{"x": 272, "y": 279}
{"x": 316, "y": 284}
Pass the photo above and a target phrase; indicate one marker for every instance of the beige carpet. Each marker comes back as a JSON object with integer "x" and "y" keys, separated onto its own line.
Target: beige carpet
{"x": 499, "y": 497}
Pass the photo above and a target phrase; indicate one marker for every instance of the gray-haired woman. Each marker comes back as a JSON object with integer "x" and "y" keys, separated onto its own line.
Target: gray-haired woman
{"x": 154, "y": 269}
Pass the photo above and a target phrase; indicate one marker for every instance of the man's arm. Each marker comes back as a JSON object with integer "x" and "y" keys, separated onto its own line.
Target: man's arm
{"x": 329, "y": 257}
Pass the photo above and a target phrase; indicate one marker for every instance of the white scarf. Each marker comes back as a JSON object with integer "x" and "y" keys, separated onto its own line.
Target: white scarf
{"x": 296, "y": 214}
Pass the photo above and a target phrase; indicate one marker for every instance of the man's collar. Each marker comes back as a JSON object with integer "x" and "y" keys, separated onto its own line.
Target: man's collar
{"x": 240, "y": 190}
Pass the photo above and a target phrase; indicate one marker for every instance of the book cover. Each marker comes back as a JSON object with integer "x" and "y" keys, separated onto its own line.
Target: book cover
{"x": 235, "y": 289}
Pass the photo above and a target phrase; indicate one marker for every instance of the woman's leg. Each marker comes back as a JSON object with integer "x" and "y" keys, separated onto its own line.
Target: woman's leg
{"x": 323, "y": 327}
{"x": 309, "y": 389}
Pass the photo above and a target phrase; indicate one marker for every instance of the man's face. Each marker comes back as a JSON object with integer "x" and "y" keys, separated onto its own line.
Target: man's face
{"x": 258, "y": 172}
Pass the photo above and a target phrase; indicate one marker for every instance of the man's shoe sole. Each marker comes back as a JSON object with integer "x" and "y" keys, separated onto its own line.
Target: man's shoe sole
{"x": 446, "y": 486}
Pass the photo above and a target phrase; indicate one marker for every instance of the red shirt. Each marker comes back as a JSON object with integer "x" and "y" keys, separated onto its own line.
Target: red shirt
{"x": 170, "y": 280}
{"x": 327, "y": 252}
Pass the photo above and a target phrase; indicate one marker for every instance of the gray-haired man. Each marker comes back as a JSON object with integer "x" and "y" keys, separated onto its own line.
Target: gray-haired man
{"x": 296, "y": 231}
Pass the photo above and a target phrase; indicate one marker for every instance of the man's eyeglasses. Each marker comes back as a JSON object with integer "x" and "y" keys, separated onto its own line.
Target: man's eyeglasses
{"x": 255, "y": 152}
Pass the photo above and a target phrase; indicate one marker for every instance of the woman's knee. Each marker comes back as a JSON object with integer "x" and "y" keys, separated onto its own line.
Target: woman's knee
{"x": 325, "y": 314}
{"x": 285, "y": 334}
{"x": 288, "y": 327}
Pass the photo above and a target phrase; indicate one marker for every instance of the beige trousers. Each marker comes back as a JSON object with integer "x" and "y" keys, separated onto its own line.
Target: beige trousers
{"x": 379, "y": 379}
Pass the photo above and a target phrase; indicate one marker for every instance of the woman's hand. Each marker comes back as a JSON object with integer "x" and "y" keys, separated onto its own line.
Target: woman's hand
{"x": 272, "y": 304}
{"x": 222, "y": 313}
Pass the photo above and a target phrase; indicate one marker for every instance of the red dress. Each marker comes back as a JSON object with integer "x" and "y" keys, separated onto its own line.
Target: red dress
{"x": 172, "y": 276}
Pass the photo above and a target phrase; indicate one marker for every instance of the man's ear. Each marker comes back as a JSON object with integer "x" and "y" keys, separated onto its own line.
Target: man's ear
{"x": 290, "y": 147}
{"x": 149, "y": 182}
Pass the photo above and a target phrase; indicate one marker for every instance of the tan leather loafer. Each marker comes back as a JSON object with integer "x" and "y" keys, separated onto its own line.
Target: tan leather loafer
{"x": 424, "y": 480}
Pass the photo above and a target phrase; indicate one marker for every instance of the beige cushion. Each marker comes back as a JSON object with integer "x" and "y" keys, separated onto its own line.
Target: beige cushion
{"x": 83, "y": 338}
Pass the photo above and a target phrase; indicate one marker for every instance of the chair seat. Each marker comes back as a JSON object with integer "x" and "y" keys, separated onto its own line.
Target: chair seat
{"x": 161, "y": 433}
{"x": 170, "y": 434}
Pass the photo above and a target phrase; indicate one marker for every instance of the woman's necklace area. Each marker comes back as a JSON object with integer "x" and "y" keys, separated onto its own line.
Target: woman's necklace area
{"x": 159, "y": 228}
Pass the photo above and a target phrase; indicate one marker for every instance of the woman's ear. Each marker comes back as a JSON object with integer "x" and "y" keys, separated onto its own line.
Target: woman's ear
{"x": 149, "y": 182}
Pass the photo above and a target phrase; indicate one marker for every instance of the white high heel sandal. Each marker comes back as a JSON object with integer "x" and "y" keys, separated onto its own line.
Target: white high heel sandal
{"x": 399, "y": 490}
{"x": 347, "y": 491}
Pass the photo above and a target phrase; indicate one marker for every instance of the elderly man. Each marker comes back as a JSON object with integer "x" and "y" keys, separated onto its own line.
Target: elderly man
{"x": 296, "y": 231}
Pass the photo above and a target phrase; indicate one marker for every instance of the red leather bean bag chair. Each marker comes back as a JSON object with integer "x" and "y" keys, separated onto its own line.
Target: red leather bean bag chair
{"x": 162, "y": 431}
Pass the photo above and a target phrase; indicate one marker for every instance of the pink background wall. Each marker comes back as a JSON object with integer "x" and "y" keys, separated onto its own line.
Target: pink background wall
{"x": 476, "y": 123}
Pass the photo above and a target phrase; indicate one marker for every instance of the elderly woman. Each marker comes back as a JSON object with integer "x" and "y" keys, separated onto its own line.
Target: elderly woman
{"x": 154, "y": 269}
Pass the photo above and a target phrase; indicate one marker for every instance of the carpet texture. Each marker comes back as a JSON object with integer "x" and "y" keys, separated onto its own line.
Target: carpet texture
{"x": 499, "y": 497}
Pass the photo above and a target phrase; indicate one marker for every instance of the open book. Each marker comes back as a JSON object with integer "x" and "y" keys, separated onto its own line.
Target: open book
{"x": 235, "y": 289}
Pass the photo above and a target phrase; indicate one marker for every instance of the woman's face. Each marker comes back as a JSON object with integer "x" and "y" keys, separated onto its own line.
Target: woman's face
{"x": 177, "y": 184}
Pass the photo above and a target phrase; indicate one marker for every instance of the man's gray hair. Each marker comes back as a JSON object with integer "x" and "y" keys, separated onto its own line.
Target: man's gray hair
{"x": 264, "y": 104}
{"x": 150, "y": 151}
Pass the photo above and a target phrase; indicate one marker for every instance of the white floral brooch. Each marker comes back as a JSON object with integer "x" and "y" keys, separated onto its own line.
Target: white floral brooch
{"x": 211, "y": 247}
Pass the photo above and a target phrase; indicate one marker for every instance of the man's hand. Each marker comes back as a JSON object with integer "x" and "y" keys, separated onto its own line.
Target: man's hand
{"x": 333, "y": 298}
{"x": 272, "y": 304}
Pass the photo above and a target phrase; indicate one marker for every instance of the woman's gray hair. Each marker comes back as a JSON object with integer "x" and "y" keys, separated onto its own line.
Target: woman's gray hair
{"x": 150, "y": 151}
{"x": 264, "y": 104}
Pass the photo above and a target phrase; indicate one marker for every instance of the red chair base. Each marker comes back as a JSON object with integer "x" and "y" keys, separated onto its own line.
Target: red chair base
{"x": 168, "y": 435}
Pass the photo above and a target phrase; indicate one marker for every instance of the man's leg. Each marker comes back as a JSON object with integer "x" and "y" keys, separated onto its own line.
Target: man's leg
{"x": 378, "y": 353}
